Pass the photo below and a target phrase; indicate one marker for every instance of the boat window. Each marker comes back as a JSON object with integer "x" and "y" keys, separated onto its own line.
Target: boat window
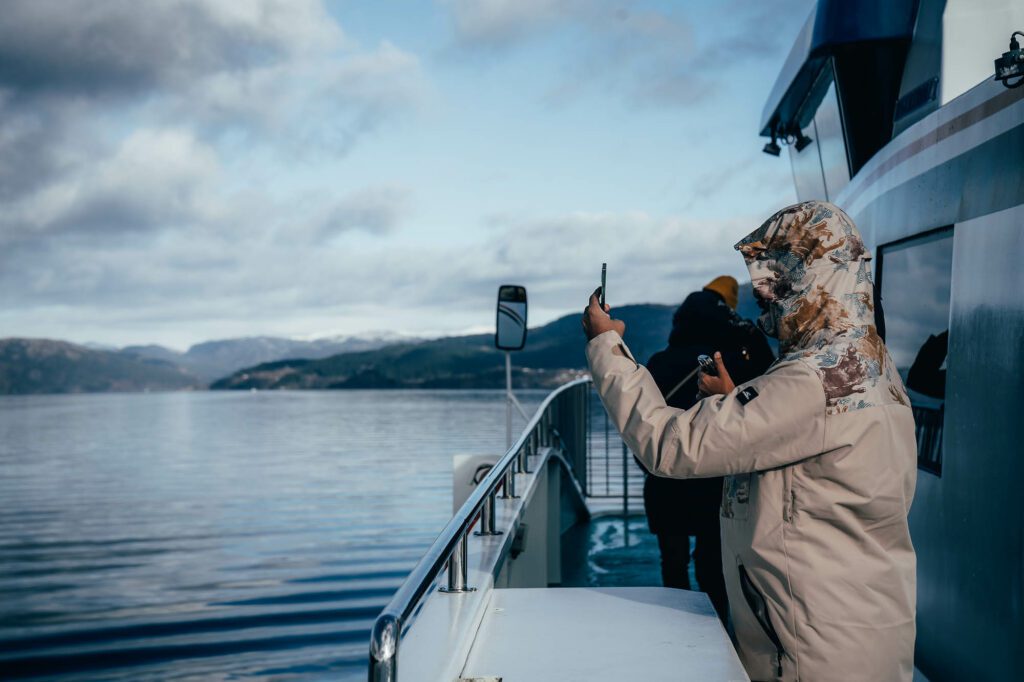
{"x": 808, "y": 178}
{"x": 821, "y": 169}
{"x": 831, "y": 144}
{"x": 914, "y": 278}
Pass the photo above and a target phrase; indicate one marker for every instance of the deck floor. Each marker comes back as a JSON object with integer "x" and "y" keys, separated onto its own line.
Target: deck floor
{"x": 597, "y": 634}
{"x": 601, "y": 553}
{"x": 605, "y": 553}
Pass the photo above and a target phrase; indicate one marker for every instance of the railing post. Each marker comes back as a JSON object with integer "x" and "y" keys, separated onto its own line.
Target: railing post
{"x": 457, "y": 570}
{"x": 559, "y": 412}
{"x": 487, "y": 513}
{"x": 508, "y": 491}
{"x": 529, "y": 448}
{"x": 586, "y": 430}
{"x": 581, "y": 432}
{"x": 625, "y": 493}
{"x": 625, "y": 480}
{"x": 607, "y": 464}
{"x": 384, "y": 649}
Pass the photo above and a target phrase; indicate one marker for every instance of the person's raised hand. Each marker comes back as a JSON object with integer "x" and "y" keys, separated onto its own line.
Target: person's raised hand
{"x": 597, "y": 321}
{"x": 716, "y": 385}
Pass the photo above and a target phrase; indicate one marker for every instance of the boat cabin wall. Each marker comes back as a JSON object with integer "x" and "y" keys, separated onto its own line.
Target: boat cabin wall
{"x": 942, "y": 210}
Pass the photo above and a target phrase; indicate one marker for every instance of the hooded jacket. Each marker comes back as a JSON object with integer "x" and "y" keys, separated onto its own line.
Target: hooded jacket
{"x": 820, "y": 456}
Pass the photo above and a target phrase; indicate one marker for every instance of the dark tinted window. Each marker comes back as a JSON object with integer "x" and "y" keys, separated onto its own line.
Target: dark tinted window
{"x": 915, "y": 282}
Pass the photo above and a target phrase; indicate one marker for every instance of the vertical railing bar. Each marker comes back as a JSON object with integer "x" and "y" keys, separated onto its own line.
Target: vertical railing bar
{"x": 590, "y": 444}
{"x": 508, "y": 490}
{"x": 581, "y": 432}
{"x": 531, "y": 450}
{"x": 458, "y": 569}
{"x": 586, "y": 438}
{"x": 625, "y": 483}
{"x": 607, "y": 463}
{"x": 487, "y": 513}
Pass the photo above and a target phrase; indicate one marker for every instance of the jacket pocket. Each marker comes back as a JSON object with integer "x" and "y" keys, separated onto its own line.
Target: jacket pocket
{"x": 759, "y": 606}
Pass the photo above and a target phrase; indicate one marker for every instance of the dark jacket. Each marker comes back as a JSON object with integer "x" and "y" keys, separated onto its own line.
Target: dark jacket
{"x": 703, "y": 324}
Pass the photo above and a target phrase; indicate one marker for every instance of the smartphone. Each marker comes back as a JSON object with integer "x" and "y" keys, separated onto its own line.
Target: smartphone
{"x": 604, "y": 282}
{"x": 707, "y": 365}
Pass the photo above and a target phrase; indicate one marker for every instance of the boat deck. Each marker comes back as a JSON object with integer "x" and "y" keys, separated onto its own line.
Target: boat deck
{"x": 594, "y": 634}
{"x": 604, "y": 552}
{"x": 610, "y": 620}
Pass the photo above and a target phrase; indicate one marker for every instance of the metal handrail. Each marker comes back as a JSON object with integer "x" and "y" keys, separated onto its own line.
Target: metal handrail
{"x": 449, "y": 549}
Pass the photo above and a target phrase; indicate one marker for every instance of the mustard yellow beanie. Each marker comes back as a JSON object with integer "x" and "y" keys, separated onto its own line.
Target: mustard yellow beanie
{"x": 726, "y": 287}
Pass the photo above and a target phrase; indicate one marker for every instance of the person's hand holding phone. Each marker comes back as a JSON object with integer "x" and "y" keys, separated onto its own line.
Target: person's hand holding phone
{"x": 720, "y": 384}
{"x": 597, "y": 321}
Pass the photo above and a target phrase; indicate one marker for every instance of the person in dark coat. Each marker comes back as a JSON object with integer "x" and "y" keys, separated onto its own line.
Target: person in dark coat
{"x": 680, "y": 508}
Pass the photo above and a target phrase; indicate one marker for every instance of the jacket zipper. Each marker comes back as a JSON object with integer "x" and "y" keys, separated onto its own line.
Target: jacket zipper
{"x": 788, "y": 496}
{"x": 758, "y": 605}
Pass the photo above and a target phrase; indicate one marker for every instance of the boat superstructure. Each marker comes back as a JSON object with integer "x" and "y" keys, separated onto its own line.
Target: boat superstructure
{"x": 893, "y": 114}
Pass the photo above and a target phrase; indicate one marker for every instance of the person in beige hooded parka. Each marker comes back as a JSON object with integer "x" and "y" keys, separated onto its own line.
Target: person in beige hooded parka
{"x": 819, "y": 454}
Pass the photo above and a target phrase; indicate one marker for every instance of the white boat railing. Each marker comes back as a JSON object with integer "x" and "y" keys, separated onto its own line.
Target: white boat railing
{"x": 562, "y": 421}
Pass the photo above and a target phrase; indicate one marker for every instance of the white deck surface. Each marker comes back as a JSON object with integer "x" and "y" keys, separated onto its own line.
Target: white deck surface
{"x": 595, "y": 634}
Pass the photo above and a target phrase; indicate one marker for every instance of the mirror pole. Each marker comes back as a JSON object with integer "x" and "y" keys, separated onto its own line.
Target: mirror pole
{"x": 508, "y": 400}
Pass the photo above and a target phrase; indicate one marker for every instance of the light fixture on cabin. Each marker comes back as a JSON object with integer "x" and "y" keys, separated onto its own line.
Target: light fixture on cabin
{"x": 802, "y": 141}
{"x": 1011, "y": 64}
{"x": 773, "y": 146}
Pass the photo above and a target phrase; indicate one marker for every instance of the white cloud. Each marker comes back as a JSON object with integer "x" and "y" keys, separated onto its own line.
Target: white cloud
{"x": 377, "y": 210}
{"x": 326, "y": 101}
{"x": 499, "y": 23}
{"x": 131, "y": 211}
{"x": 214, "y": 285}
{"x": 649, "y": 57}
{"x": 640, "y": 54}
{"x": 74, "y": 76}
{"x": 124, "y": 46}
{"x": 118, "y": 153}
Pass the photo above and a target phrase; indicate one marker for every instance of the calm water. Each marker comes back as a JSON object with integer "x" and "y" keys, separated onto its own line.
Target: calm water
{"x": 220, "y": 535}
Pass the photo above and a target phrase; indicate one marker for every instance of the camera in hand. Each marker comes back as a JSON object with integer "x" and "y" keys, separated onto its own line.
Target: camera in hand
{"x": 707, "y": 365}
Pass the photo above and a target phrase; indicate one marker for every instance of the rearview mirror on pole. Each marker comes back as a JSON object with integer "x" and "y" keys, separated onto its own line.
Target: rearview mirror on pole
{"x": 510, "y": 332}
{"x": 510, "y": 335}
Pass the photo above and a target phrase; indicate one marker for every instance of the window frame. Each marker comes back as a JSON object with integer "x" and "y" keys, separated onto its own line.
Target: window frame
{"x": 929, "y": 464}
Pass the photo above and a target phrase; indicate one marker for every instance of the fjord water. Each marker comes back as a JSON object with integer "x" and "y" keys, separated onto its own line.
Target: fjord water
{"x": 220, "y": 535}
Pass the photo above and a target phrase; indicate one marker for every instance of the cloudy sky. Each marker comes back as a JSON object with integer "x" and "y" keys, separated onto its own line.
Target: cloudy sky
{"x": 176, "y": 171}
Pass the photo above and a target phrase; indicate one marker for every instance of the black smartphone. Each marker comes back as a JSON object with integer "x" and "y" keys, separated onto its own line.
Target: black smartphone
{"x": 707, "y": 365}
{"x": 604, "y": 282}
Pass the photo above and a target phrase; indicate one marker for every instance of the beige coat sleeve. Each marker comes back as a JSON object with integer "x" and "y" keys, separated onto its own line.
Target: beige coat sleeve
{"x": 720, "y": 435}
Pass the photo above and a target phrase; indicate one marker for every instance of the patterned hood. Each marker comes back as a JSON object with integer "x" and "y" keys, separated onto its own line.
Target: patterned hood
{"x": 812, "y": 277}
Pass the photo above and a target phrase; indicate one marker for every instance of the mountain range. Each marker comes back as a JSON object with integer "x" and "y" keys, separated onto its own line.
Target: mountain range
{"x": 214, "y": 359}
{"x": 29, "y": 366}
{"x": 47, "y": 366}
{"x": 553, "y": 354}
